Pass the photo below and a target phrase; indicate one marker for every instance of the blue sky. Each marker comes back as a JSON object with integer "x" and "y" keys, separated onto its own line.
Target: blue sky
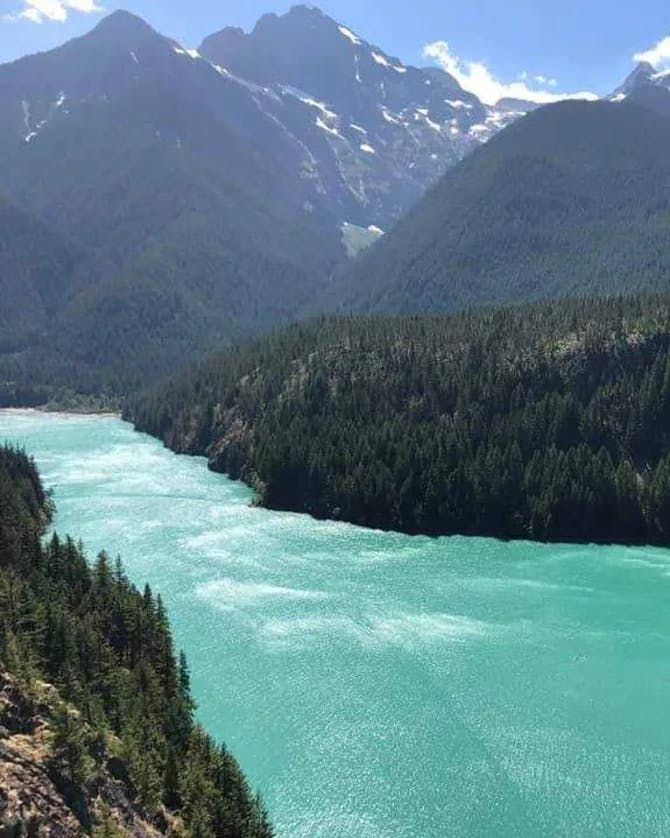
{"x": 555, "y": 47}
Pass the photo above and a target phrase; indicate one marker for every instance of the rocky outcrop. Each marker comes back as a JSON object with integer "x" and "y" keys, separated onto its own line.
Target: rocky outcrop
{"x": 36, "y": 800}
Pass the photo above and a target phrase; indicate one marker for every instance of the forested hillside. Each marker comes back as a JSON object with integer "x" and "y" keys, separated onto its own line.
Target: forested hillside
{"x": 166, "y": 202}
{"x": 41, "y": 274}
{"x": 38, "y": 270}
{"x": 97, "y": 733}
{"x": 545, "y": 422}
{"x": 571, "y": 200}
{"x": 172, "y": 212}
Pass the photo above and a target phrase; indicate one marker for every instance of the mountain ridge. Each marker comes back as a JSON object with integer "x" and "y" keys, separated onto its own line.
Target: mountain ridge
{"x": 570, "y": 200}
{"x": 205, "y": 207}
{"x": 206, "y": 196}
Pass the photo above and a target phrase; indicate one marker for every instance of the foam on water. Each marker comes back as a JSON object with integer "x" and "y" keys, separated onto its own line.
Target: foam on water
{"x": 228, "y": 593}
{"x": 380, "y": 686}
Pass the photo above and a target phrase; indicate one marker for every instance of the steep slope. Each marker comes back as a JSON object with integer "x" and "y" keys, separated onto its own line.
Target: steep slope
{"x": 38, "y": 271}
{"x": 97, "y": 735}
{"x": 33, "y": 789}
{"x": 185, "y": 195}
{"x": 644, "y": 75}
{"x": 572, "y": 199}
{"x": 124, "y": 91}
{"x": 207, "y": 195}
{"x": 549, "y": 422}
{"x": 379, "y": 132}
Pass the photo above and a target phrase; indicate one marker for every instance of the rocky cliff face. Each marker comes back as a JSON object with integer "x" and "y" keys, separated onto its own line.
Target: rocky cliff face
{"x": 375, "y": 132}
{"x": 36, "y": 796}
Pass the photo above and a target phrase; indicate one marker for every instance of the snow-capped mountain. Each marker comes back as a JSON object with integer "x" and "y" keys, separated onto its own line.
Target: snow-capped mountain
{"x": 350, "y": 136}
{"x": 165, "y": 199}
{"x": 375, "y": 132}
{"x": 644, "y": 75}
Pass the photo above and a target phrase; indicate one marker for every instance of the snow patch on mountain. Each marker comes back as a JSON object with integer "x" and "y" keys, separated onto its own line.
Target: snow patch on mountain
{"x": 189, "y": 53}
{"x": 384, "y": 62}
{"x": 391, "y": 130}
{"x": 308, "y": 100}
{"x": 392, "y": 118}
{"x": 349, "y": 35}
{"x": 328, "y": 128}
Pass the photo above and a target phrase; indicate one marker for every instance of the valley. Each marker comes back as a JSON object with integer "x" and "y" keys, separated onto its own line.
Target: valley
{"x": 381, "y": 685}
{"x": 360, "y": 364}
{"x": 240, "y": 178}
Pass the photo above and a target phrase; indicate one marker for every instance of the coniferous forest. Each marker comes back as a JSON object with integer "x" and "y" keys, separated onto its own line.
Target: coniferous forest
{"x": 126, "y": 706}
{"x": 491, "y": 358}
{"x": 549, "y": 422}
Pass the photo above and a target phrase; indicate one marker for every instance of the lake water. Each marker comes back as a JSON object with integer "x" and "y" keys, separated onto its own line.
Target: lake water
{"x": 380, "y": 686}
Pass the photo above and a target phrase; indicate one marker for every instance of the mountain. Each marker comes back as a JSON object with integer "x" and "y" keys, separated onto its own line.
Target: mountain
{"x": 548, "y": 422}
{"x": 644, "y": 75}
{"x": 38, "y": 271}
{"x": 183, "y": 198}
{"x": 570, "y": 200}
{"x": 378, "y": 132}
{"x": 195, "y": 197}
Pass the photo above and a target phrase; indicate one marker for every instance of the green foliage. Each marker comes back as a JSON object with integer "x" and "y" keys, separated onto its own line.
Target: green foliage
{"x": 75, "y": 322}
{"x": 571, "y": 200}
{"x": 108, "y": 649}
{"x": 550, "y": 422}
{"x": 160, "y": 213}
{"x": 71, "y": 748}
{"x": 106, "y": 826}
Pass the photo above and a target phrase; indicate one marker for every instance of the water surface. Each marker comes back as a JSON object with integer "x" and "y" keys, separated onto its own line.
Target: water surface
{"x": 380, "y": 686}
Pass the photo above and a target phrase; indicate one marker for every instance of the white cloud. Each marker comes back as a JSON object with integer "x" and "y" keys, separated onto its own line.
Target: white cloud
{"x": 545, "y": 81}
{"x": 478, "y": 79}
{"x": 658, "y": 56}
{"x": 29, "y": 13}
{"x": 37, "y": 11}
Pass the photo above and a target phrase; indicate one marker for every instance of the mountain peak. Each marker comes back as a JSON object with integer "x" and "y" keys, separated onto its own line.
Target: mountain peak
{"x": 306, "y": 10}
{"x": 642, "y": 75}
{"x": 122, "y": 31}
{"x": 122, "y": 21}
{"x": 645, "y": 67}
{"x": 299, "y": 17}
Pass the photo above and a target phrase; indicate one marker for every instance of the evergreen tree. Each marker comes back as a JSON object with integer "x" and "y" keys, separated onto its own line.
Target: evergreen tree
{"x": 109, "y": 651}
{"x": 548, "y": 421}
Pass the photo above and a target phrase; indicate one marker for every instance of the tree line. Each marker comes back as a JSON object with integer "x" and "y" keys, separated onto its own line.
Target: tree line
{"x": 549, "y": 421}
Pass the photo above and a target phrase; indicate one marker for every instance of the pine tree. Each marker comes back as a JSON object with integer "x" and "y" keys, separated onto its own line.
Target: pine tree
{"x": 70, "y": 748}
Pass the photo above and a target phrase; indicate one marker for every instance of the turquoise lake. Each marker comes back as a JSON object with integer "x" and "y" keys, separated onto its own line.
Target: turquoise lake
{"x": 375, "y": 685}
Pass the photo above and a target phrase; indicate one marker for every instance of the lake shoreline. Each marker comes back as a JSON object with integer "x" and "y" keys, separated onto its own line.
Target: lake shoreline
{"x": 103, "y": 414}
{"x": 339, "y": 663}
{"x": 257, "y": 500}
